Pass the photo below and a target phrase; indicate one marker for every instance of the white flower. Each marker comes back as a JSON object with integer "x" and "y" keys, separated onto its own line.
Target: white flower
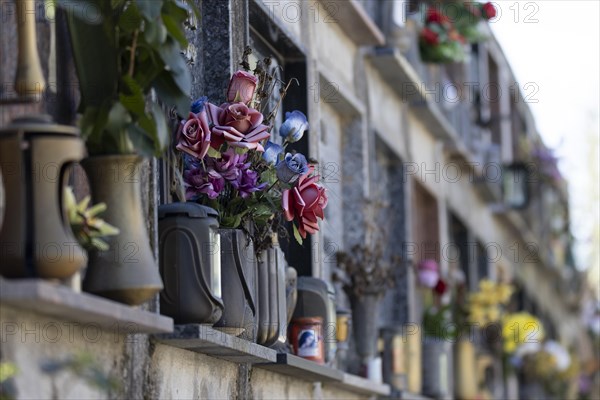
{"x": 560, "y": 354}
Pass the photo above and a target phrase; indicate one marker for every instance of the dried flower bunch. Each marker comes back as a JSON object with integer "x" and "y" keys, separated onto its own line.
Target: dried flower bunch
{"x": 366, "y": 269}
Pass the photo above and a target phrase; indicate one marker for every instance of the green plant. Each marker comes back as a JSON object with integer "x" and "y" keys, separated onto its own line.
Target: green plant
{"x": 124, "y": 49}
{"x": 7, "y": 388}
{"x": 87, "y": 227}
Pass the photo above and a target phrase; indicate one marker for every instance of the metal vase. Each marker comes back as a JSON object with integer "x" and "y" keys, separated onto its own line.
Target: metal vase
{"x": 35, "y": 236}
{"x": 239, "y": 285}
{"x": 365, "y": 310}
{"x": 190, "y": 263}
{"x": 272, "y": 310}
{"x": 127, "y": 272}
{"x": 437, "y": 368}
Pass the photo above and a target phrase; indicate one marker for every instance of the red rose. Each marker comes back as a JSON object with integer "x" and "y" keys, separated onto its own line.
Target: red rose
{"x": 194, "y": 135}
{"x": 429, "y": 36}
{"x": 241, "y": 87}
{"x": 440, "y": 288}
{"x": 238, "y": 125}
{"x": 488, "y": 10}
{"x": 305, "y": 202}
{"x": 434, "y": 15}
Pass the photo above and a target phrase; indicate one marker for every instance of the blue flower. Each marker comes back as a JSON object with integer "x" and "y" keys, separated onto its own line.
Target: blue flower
{"x": 292, "y": 166}
{"x": 294, "y": 126}
{"x": 272, "y": 152}
{"x": 198, "y": 105}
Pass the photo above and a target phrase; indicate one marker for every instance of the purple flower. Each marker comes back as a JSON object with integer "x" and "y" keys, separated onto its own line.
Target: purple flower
{"x": 272, "y": 152}
{"x": 200, "y": 181}
{"x": 292, "y": 166}
{"x": 230, "y": 165}
{"x": 247, "y": 183}
{"x": 294, "y": 126}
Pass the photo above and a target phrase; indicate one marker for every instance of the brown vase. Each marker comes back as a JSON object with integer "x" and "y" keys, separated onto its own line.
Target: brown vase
{"x": 127, "y": 272}
{"x": 35, "y": 237}
{"x": 465, "y": 378}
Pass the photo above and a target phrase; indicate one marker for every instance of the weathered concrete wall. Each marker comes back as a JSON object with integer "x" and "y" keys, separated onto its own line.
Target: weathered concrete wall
{"x": 155, "y": 371}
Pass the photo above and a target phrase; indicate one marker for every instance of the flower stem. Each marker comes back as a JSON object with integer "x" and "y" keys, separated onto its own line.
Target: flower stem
{"x": 132, "y": 54}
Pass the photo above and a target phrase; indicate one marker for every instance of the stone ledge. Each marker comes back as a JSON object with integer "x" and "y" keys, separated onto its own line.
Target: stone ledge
{"x": 298, "y": 367}
{"x": 207, "y": 340}
{"x": 412, "y": 396}
{"x": 354, "y": 21}
{"x": 59, "y": 301}
{"x": 362, "y": 385}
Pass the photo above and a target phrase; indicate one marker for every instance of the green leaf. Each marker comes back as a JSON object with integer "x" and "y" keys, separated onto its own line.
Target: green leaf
{"x": 141, "y": 141}
{"x": 174, "y": 28}
{"x": 213, "y": 153}
{"x": 118, "y": 118}
{"x": 88, "y": 121}
{"x": 191, "y": 5}
{"x": 171, "y": 94}
{"x": 170, "y": 52}
{"x": 133, "y": 99}
{"x": 177, "y": 10}
{"x": 162, "y": 129}
{"x": 130, "y": 20}
{"x": 116, "y": 3}
{"x": 96, "y": 60}
{"x": 297, "y": 234}
{"x": 150, "y": 9}
{"x": 155, "y": 33}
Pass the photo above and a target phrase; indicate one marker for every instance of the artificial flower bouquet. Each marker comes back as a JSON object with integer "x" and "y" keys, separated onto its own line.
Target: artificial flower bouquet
{"x": 439, "y": 41}
{"x": 520, "y": 328}
{"x": 486, "y": 306}
{"x": 437, "y": 317}
{"x": 228, "y": 159}
{"x": 448, "y": 27}
{"x": 548, "y": 363}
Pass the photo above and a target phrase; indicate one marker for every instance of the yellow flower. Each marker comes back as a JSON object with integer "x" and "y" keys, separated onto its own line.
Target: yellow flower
{"x": 493, "y": 314}
{"x": 504, "y": 293}
{"x": 519, "y": 328}
{"x": 477, "y": 315}
{"x": 486, "y": 286}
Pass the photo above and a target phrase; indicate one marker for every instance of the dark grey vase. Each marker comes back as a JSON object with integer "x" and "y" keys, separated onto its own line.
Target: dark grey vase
{"x": 437, "y": 367}
{"x": 190, "y": 263}
{"x": 272, "y": 310}
{"x": 239, "y": 285}
{"x": 127, "y": 272}
{"x": 365, "y": 310}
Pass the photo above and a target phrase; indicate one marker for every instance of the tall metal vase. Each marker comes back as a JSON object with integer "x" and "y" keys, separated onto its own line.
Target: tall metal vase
{"x": 239, "y": 279}
{"x": 272, "y": 310}
{"x": 365, "y": 311}
{"x": 127, "y": 272}
{"x": 437, "y": 368}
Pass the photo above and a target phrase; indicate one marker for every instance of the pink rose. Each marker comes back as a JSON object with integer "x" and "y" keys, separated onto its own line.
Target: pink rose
{"x": 305, "y": 202}
{"x": 238, "y": 125}
{"x": 194, "y": 135}
{"x": 241, "y": 87}
{"x": 429, "y": 273}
